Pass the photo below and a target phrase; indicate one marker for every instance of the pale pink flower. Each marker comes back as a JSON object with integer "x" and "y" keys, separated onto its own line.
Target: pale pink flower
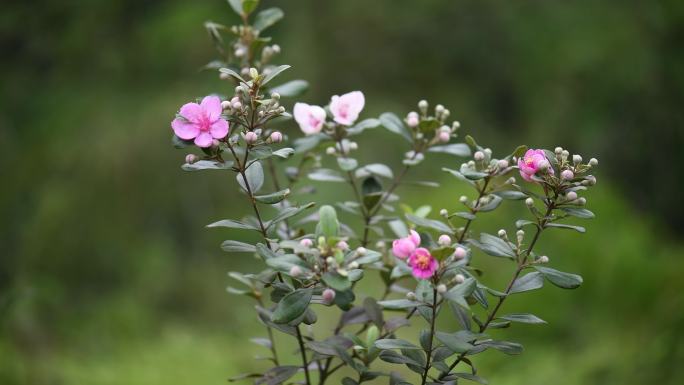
{"x": 346, "y": 108}
{"x": 310, "y": 118}
{"x": 201, "y": 122}
{"x": 422, "y": 263}
{"x": 532, "y": 162}
{"x": 403, "y": 247}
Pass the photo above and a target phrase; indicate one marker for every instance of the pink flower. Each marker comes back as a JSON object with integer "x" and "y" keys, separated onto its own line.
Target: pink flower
{"x": 201, "y": 122}
{"x": 309, "y": 118}
{"x": 346, "y": 108}
{"x": 532, "y": 162}
{"x": 423, "y": 264}
{"x": 403, "y": 247}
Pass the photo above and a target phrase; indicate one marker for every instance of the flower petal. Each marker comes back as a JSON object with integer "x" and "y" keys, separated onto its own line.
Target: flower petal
{"x": 219, "y": 129}
{"x": 211, "y": 105}
{"x": 184, "y": 129}
{"x": 204, "y": 140}
{"x": 191, "y": 111}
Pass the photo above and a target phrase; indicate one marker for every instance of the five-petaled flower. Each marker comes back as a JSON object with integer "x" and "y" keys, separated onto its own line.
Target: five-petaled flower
{"x": 532, "y": 162}
{"x": 423, "y": 264}
{"x": 310, "y": 118}
{"x": 346, "y": 108}
{"x": 201, "y": 122}
{"x": 403, "y": 247}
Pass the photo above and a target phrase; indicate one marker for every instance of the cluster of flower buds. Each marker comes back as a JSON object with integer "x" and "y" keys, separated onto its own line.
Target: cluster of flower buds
{"x": 423, "y": 124}
{"x": 343, "y": 147}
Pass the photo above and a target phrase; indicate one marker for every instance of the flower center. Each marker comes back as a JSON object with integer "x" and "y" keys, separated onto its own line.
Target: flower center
{"x": 423, "y": 261}
{"x": 313, "y": 122}
{"x": 204, "y": 122}
{"x": 344, "y": 110}
{"x": 529, "y": 161}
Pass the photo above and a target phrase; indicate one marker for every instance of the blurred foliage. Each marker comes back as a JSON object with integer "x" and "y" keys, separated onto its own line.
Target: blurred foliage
{"x": 107, "y": 275}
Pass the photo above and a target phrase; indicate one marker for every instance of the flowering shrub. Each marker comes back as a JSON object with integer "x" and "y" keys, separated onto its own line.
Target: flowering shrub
{"x": 313, "y": 264}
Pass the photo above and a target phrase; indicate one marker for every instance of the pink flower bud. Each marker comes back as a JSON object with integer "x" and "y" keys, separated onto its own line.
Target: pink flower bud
{"x": 479, "y": 155}
{"x": 567, "y": 174}
{"x": 276, "y": 137}
{"x": 459, "y": 278}
{"x": 237, "y": 105}
{"x": 251, "y": 137}
{"x": 403, "y": 247}
{"x": 215, "y": 143}
{"x": 191, "y": 158}
{"x": 226, "y": 104}
{"x": 571, "y": 196}
{"x": 342, "y": 245}
{"x": 460, "y": 253}
{"x": 444, "y": 240}
{"x": 306, "y": 242}
{"x": 503, "y": 163}
{"x": 361, "y": 251}
{"x": 444, "y": 137}
{"x": 328, "y": 295}
{"x": 295, "y": 271}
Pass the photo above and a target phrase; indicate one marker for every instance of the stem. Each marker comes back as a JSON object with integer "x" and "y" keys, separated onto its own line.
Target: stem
{"x": 270, "y": 337}
{"x": 301, "y": 350}
{"x": 382, "y": 200}
{"x": 521, "y": 266}
{"x": 474, "y": 210}
{"x": 428, "y": 351}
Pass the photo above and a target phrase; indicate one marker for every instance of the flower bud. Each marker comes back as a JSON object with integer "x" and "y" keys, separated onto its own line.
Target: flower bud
{"x": 558, "y": 150}
{"x": 251, "y": 137}
{"x": 581, "y": 201}
{"x": 253, "y": 73}
{"x": 342, "y": 245}
{"x": 191, "y": 158}
{"x": 510, "y": 180}
{"x": 328, "y": 295}
{"x": 520, "y": 235}
{"x": 215, "y": 143}
{"x": 224, "y": 76}
{"x": 275, "y": 96}
{"x": 544, "y": 165}
{"x": 226, "y": 105}
{"x": 240, "y": 52}
{"x": 380, "y": 245}
{"x": 330, "y": 150}
{"x": 591, "y": 180}
{"x": 412, "y": 121}
{"x": 330, "y": 260}
{"x": 571, "y": 196}
{"x": 463, "y": 199}
{"x": 276, "y": 137}
{"x": 423, "y": 106}
{"x": 444, "y": 137}
{"x": 444, "y": 212}
{"x": 444, "y": 240}
{"x": 237, "y": 105}
{"x": 439, "y": 109}
{"x": 593, "y": 162}
{"x": 543, "y": 259}
{"x": 488, "y": 152}
{"x": 441, "y": 288}
{"x": 565, "y": 154}
{"x": 459, "y": 278}
{"x": 479, "y": 155}
{"x": 576, "y": 159}
{"x": 354, "y": 265}
{"x": 460, "y": 253}
{"x": 445, "y": 114}
{"x": 276, "y": 48}
{"x": 455, "y": 125}
{"x": 502, "y": 234}
{"x": 503, "y": 163}
{"x": 295, "y": 271}
{"x": 567, "y": 174}
{"x": 411, "y": 296}
{"x": 306, "y": 242}
{"x": 353, "y": 146}
{"x": 529, "y": 202}
{"x": 361, "y": 251}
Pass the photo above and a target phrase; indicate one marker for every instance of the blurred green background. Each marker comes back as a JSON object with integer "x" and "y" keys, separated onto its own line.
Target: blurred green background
{"x": 107, "y": 275}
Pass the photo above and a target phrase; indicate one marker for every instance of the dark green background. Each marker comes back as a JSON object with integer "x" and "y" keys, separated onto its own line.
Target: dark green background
{"x": 107, "y": 275}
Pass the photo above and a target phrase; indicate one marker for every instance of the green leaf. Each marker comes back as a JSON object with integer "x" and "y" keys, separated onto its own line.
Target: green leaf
{"x": 285, "y": 262}
{"x": 274, "y": 197}
{"x": 232, "y": 73}
{"x": 578, "y": 212}
{"x": 559, "y": 278}
{"x": 255, "y": 177}
{"x": 349, "y": 381}
{"x": 233, "y": 224}
{"x": 455, "y": 342}
{"x": 458, "y": 293}
{"x": 511, "y": 194}
{"x": 347, "y": 164}
{"x": 374, "y": 311}
{"x": 267, "y": 18}
{"x": 237, "y": 247}
{"x": 336, "y": 281}
{"x": 326, "y": 175}
{"x": 466, "y": 376}
{"x": 396, "y": 358}
{"x": 396, "y": 304}
{"x": 471, "y": 142}
{"x": 288, "y": 212}
{"x": 524, "y": 222}
{"x": 495, "y": 246}
{"x": 503, "y": 346}
{"x": 458, "y": 175}
{"x": 429, "y": 223}
{"x": 363, "y": 125}
{"x": 523, "y": 318}
{"x": 377, "y": 169}
{"x": 391, "y": 122}
{"x": 527, "y": 282}
{"x": 493, "y": 203}
{"x": 458, "y": 149}
{"x": 279, "y": 374}
{"x": 292, "y": 306}
{"x": 393, "y": 343}
{"x": 442, "y": 252}
{"x": 284, "y": 153}
{"x": 265, "y": 252}
{"x": 274, "y": 72}
{"x": 207, "y": 165}
{"x": 519, "y": 151}
{"x": 329, "y": 225}
{"x": 579, "y": 229}
{"x": 292, "y": 88}
{"x": 249, "y": 5}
